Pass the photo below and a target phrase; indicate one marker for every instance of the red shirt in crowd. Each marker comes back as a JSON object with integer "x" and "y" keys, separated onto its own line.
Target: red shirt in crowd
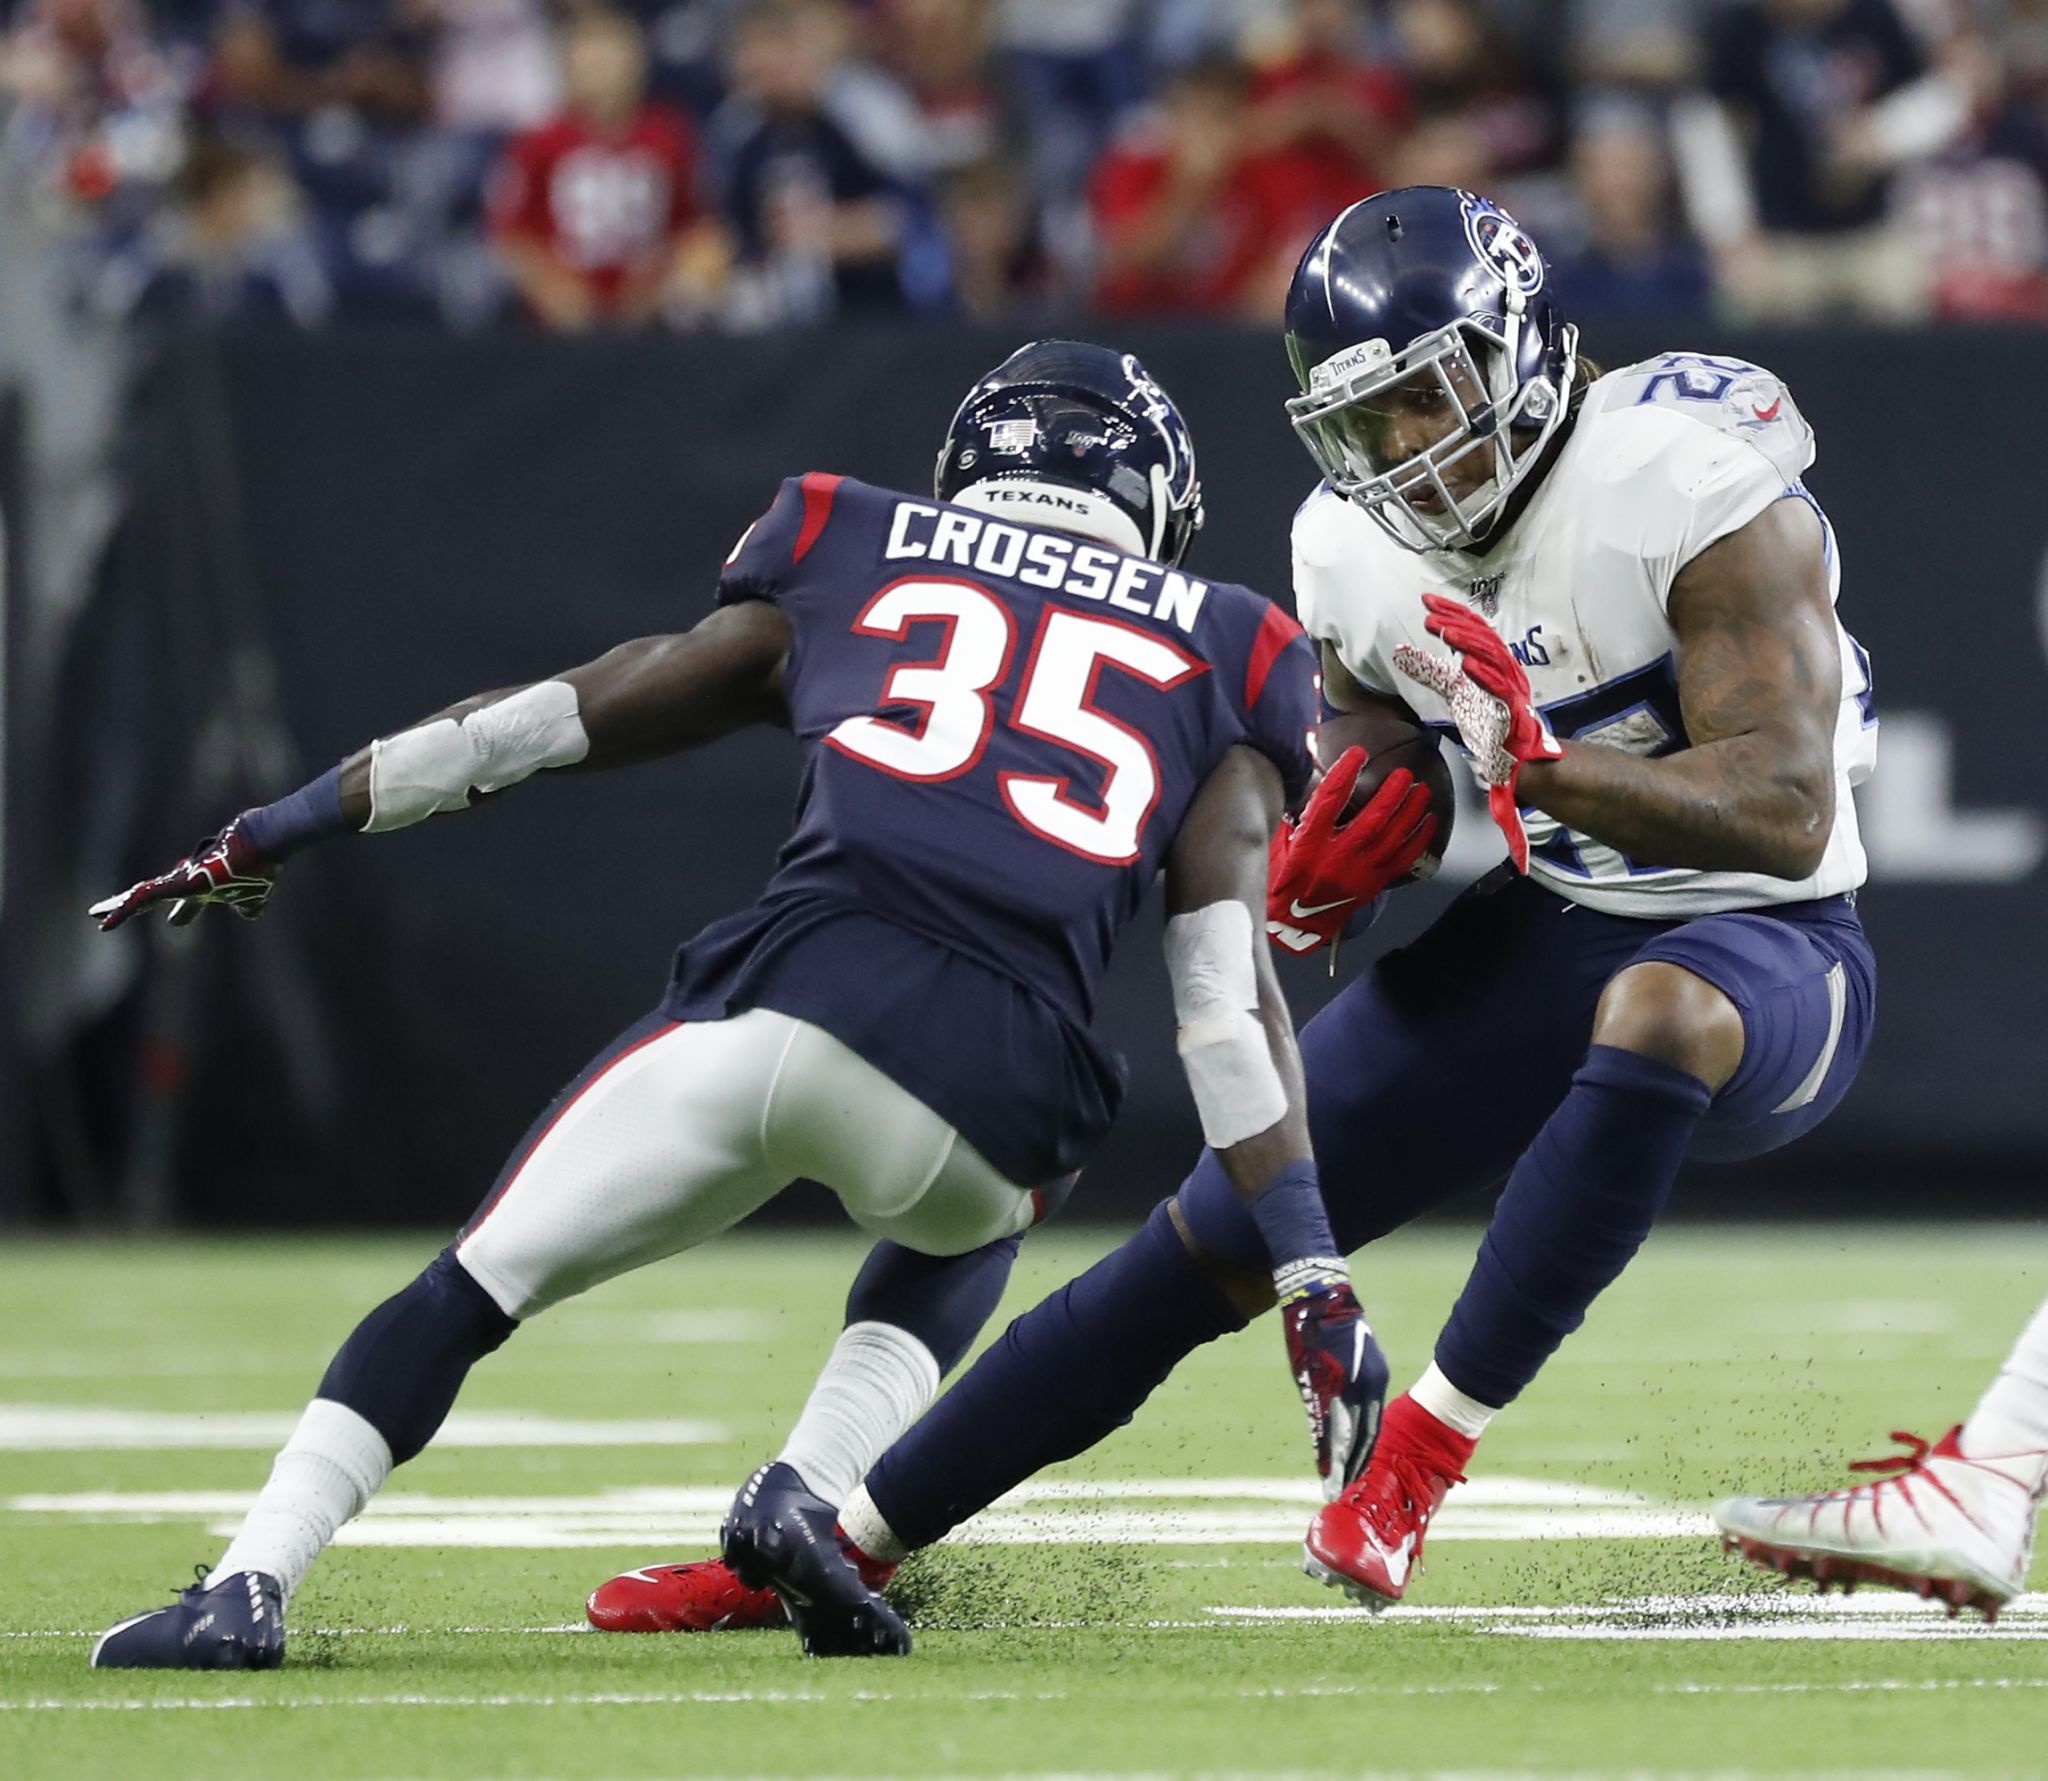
{"x": 608, "y": 203}
{"x": 1336, "y": 168}
{"x": 1267, "y": 206}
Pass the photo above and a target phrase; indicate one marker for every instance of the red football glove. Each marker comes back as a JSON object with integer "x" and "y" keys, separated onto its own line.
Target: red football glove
{"x": 1341, "y": 1375}
{"x": 226, "y": 870}
{"x": 1322, "y": 871}
{"x": 1490, "y": 702}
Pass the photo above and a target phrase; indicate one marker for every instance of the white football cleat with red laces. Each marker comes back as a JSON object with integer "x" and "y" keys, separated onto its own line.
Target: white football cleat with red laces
{"x": 1369, "y": 1541}
{"x": 1953, "y": 1526}
{"x": 701, "y": 1597}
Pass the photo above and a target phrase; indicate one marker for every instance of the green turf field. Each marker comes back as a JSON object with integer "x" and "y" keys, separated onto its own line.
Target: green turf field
{"x": 1145, "y": 1617}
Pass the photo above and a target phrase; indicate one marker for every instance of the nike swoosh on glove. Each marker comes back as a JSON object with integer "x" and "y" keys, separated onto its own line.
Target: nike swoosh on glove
{"x": 1323, "y": 870}
{"x": 1342, "y": 1377}
{"x": 227, "y": 871}
{"x": 1490, "y": 701}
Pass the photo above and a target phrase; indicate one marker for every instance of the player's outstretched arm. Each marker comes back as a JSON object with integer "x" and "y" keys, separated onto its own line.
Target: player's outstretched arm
{"x": 650, "y": 697}
{"x": 1237, "y": 1044}
{"x": 1760, "y": 685}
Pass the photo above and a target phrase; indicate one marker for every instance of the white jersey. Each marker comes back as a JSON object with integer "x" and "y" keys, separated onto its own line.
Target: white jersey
{"x": 1667, "y": 456}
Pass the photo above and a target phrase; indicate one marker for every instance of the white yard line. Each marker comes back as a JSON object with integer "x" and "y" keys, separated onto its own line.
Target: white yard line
{"x": 663, "y": 1329}
{"x": 773, "y": 1697}
{"x": 1877, "y": 1616}
{"x": 1122, "y": 1512}
{"x": 65, "y": 1428}
{"x": 1874, "y": 1604}
{"x": 652, "y": 1698}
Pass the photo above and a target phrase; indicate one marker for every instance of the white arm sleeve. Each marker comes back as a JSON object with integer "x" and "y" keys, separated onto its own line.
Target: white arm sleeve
{"x": 435, "y": 766}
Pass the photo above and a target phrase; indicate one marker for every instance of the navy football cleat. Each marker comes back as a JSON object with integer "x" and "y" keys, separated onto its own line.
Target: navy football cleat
{"x": 238, "y": 1624}
{"x": 782, "y": 1536}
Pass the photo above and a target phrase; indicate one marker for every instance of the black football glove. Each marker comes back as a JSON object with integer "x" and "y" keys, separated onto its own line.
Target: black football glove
{"x": 226, "y": 871}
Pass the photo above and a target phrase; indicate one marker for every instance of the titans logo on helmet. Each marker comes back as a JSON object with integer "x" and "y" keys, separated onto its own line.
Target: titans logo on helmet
{"x": 1502, "y": 245}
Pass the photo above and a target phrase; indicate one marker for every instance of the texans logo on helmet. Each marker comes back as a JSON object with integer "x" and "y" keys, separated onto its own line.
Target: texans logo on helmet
{"x": 1157, "y": 407}
{"x": 1503, "y": 245}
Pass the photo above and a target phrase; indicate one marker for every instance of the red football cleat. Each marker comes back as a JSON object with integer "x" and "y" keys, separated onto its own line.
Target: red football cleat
{"x": 701, "y": 1597}
{"x": 1368, "y": 1541}
{"x": 704, "y": 1597}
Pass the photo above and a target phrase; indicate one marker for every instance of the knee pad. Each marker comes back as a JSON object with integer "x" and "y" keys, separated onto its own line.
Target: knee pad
{"x": 402, "y": 1366}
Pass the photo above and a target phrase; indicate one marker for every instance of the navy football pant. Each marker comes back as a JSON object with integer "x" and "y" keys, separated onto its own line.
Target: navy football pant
{"x": 1434, "y": 1070}
{"x": 1450, "y": 1063}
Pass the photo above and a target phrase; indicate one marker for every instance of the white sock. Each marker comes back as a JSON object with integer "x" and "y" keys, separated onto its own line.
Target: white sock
{"x": 1449, "y": 1405}
{"x": 861, "y": 1522}
{"x": 878, "y": 1381}
{"x": 2012, "y": 1416}
{"x": 334, "y": 1463}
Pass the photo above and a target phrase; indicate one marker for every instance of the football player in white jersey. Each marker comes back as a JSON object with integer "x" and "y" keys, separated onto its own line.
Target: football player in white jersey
{"x": 1616, "y": 595}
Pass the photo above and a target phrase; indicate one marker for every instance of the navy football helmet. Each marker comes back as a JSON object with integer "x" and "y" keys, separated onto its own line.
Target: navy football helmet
{"x": 1433, "y": 362}
{"x": 1075, "y": 436}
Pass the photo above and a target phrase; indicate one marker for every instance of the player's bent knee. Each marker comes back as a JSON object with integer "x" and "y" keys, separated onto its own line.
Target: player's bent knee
{"x": 1248, "y": 1291}
{"x": 1664, "y": 1011}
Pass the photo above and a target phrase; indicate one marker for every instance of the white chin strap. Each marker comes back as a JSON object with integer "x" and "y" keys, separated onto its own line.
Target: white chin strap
{"x": 1058, "y": 506}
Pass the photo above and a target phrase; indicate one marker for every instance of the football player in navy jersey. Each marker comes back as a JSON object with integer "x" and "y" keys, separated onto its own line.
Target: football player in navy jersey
{"x": 1616, "y": 594}
{"x": 1017, "y": 711}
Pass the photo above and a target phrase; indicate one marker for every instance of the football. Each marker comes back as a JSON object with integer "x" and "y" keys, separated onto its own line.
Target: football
{"x": 1391, "y": 741}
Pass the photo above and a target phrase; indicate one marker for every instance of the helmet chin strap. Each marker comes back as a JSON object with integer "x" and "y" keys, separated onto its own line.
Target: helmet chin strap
{"x": 1511, "y": 344}
{"x": 1063, "y": 507}
{"x": 1162, "y": 505}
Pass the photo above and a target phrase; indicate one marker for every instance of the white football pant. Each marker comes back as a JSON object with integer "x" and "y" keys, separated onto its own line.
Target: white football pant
{"x": 690, "y": 1129}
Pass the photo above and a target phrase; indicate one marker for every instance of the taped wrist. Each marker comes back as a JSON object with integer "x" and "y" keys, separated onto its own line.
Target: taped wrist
{"x": 1237, "y": 1089}
{"x": 1295, "y": 1227}
{"x": 435, "y": 766}
{"x": 279, "y": 830}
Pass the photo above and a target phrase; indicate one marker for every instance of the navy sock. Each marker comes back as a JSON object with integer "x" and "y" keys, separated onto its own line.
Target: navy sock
{"x": 1576, "y": 1207}
{"x": 1066, "y": 1373}
{"x": 402, "y": 1366}
{"x": 942, "y": 1300}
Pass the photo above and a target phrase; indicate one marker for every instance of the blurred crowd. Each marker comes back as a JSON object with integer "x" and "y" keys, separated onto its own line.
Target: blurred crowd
{"x": 747, "y": 164}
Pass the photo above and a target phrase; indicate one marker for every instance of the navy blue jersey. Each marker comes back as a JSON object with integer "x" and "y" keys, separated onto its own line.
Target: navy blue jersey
{"x": 1004, "y": 729}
